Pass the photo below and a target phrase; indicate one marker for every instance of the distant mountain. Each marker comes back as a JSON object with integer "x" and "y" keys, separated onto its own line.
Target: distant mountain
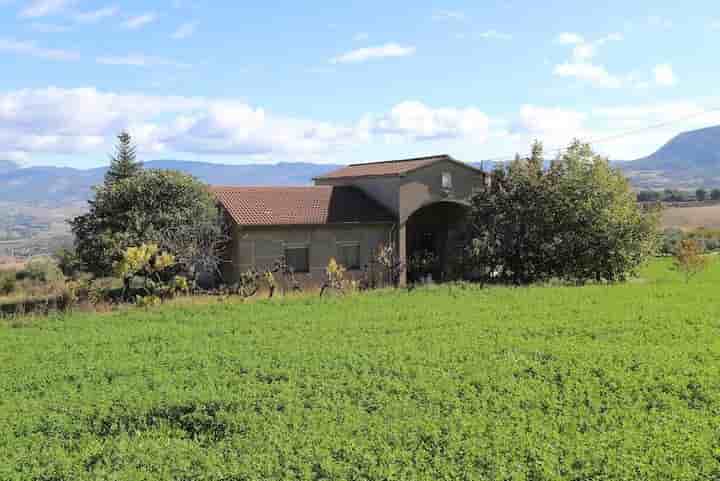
{"x": 691, "y": 159}
{"x": 64, "y": 185}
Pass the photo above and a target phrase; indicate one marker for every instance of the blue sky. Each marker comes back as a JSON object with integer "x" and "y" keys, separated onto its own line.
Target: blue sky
{"x": 328, "y": 82}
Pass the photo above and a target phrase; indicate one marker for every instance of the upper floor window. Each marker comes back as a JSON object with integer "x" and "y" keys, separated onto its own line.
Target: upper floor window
{"x": 447, "y": 180}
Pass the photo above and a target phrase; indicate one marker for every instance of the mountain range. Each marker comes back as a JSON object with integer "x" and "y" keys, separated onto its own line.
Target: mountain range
{"x": 691, "y": 159}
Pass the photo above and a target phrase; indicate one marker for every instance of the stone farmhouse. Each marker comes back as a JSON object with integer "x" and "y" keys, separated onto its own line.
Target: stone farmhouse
{"x": 415, "y": 205}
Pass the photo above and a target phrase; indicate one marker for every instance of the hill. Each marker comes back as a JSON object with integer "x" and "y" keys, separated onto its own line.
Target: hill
{"x": 691, "y": 159}
{"x": 65, "y": 185}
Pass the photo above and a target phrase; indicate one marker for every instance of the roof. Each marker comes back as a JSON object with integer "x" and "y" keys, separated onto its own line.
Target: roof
{"x": 317, "y": 205}
{"x": 390, "y": 167}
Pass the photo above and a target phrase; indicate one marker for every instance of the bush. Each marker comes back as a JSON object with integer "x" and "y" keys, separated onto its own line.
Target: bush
{"x": 7, "y": 283}
{"x": 41, "y": 269}
{"x": 578, "y": 221}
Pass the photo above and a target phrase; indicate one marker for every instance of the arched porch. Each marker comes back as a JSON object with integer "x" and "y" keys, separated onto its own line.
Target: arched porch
{"x": 429, "y": 239}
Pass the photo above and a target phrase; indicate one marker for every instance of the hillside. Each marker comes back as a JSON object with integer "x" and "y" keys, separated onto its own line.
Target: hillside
{"x": 691, "y": 159}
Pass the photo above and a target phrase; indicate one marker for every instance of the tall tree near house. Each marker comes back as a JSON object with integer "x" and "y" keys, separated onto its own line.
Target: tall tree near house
{"x": 701, "y": 195}
{"x": 124, "y": 163}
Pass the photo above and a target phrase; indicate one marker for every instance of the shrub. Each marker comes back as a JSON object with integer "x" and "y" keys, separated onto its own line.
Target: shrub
{"x": 577, "y": 221}
{"x": 7, "y": 283}
{"x": 690, "y": 259}
{"x": 41, "y": 269}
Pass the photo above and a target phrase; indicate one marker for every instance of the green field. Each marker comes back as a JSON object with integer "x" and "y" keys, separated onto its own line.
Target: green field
{"x": 451, "y": 382}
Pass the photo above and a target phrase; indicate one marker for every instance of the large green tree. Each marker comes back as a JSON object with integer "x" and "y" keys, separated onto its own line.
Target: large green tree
{"x": 124, "y": 163}
{"x": 152, "y": 206}
{"x": 577, "y": 220}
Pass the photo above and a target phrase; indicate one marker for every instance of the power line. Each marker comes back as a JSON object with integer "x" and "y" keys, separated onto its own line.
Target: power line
{"x": 628, "y": 133}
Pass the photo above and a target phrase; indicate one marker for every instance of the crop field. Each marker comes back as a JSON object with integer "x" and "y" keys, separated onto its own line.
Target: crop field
{"x": 447, "y": 382}
{"x": 707, "y": 216}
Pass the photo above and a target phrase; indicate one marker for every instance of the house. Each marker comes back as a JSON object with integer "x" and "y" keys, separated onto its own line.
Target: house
{"x": 415, "y": 205}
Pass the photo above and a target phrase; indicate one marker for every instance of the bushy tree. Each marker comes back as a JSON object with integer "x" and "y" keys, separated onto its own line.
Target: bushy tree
{"x": 715, "y": 194}
{"x": 139, "y": 210}
{"x": 124, "y": 163}
{"x": 578, "y": 220}
{"x": 701, "y": 195}
{"x": 690, "y": 258}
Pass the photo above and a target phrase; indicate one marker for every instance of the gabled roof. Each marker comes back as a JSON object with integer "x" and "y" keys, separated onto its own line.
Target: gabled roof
{"x": 390, "y": 167}
{"x": 256, "y": 206}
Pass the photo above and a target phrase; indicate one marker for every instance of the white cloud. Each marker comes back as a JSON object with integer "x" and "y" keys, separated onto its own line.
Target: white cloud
{"x": 85, "y": 120}
{"x": 664, "y": 75}
{"x": 597, "y": 75}
{"x": 42, "y": 8}
{"x": 95, "y": 16}
{"x": 416, "y": 121}
{"x": 369, "y": 53}
{"x": 569, "y": 38}
{"x": 134, "y": 23}
{"x": 494, "y": 34}
{"x": 543, "y": 120}
{"x": 184, "y": 31}
{"x": 31, "y": 49}
{"x": 140, "y": 60}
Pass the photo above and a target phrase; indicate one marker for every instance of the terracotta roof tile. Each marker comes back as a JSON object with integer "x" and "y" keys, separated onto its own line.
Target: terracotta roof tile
{"x": 300, "y": 205}
{"x": 390, "y": 167}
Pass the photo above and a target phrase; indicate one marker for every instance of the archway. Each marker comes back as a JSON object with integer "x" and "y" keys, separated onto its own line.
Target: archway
{"x": 432, "y": 235}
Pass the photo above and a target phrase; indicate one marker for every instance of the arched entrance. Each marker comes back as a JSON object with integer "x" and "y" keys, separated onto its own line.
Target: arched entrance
{"x": 431, "y": 235}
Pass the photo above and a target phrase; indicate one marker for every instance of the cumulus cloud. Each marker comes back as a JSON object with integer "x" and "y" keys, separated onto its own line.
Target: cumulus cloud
{"x": 416, "y": 121}
{"x": 42, "y": 8}
{"x": 31, "y": 49}
{"x": 184, "y": 31}
{"x": 534, "y": 119}
{"x": 370, "y": 53}
{"x": 664, "y": 75}
{"x": 56, "y": 120}
{"x": 569, "y": 38}
{"x": 597, "y": 75}
{"x": 134, "y": 23}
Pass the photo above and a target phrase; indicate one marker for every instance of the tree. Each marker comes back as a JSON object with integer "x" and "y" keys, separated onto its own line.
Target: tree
{"x": 578, "y": 220}
{"x": 701, "y": 195}
{"x": 141, "y": 210}
{"x": 690, "y": 259}
{"x": 715, "y": 194}
{"x": 124, "y": 163}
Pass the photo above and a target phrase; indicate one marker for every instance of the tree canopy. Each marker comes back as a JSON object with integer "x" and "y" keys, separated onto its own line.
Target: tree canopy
{"x": 124, "y": 163}
{"x": 578, "y": 220}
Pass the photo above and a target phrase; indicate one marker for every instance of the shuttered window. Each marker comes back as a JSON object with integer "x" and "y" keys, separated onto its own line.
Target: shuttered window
{"x": 349, "y": 255}
{"x": 298, "y": 258}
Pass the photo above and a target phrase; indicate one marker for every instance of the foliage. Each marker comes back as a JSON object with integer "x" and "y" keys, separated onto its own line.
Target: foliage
{"x": 140, "y": 210}
{"x": 41, "y": 269}
{"x": 715, "y": 194}
{"x": 577, "y": 221}
{"x": 69, "y": 262}
{"x": 150, "y": 271}
{"x": 422, "y": 263}
{"x": 124, "y": 164}
{"x": 701, "y": 195}
{"x": 690, "y": 258}
{"x": 451, "y": 383}
{"x": 8, "y": 283}
{"x": 334, "y": 277}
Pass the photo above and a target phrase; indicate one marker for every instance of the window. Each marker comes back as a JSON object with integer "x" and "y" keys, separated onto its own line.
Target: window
{"x": 447, "y": 180}
{"x": 349, "y": 255}
{"x": 298, "y": 257}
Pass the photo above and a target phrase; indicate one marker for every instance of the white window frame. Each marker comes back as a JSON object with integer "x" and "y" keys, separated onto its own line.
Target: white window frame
{"x": 446, "y": 180}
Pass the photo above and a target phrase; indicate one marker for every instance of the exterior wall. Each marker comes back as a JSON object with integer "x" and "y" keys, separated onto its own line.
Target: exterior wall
{"x": 262, "y": 246}
{"x": 424, "y": 187}
{"x": 384, "y": 190}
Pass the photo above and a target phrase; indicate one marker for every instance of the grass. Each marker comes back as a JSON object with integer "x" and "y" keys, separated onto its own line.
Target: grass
{"x": 450, "y": 382}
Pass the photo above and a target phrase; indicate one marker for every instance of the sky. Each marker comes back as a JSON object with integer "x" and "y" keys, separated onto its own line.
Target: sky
{"x": 344, "y": 82}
